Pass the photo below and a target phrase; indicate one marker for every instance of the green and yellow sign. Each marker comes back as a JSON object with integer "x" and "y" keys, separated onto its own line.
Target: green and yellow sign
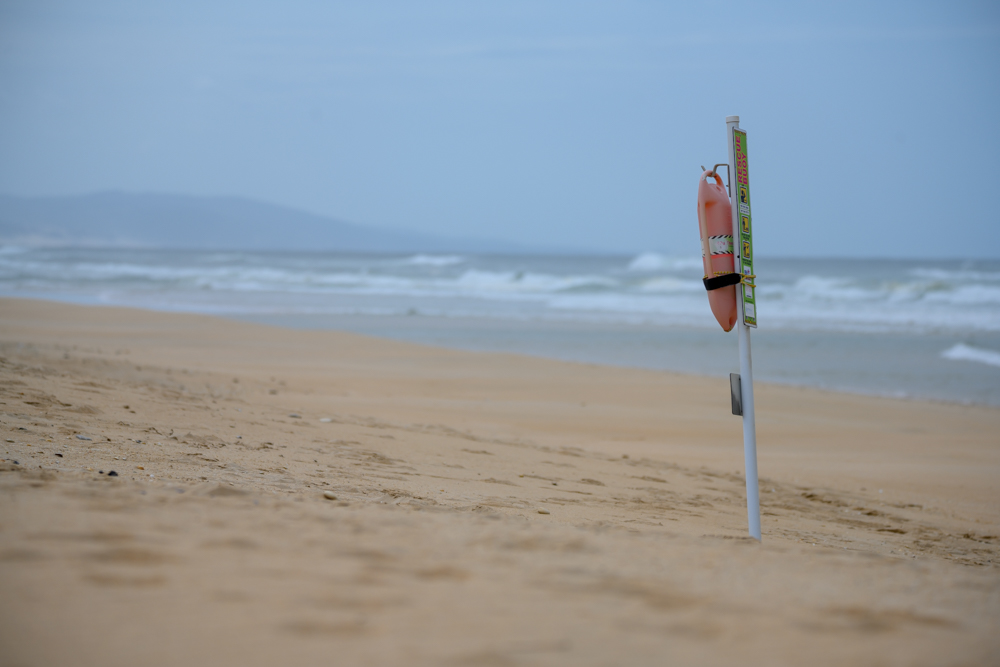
{"x": 745, "y": 259}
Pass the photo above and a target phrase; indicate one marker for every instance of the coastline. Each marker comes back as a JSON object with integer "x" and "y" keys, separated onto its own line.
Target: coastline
{"x": 919, "y": 366}
{"x": 864, "y": 364}
{"x": 440, "y": 461}
{"x": 926, "y": 329}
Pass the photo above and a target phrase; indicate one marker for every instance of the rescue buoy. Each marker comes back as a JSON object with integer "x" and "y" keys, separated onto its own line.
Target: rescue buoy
{"x": 715, "y": 222}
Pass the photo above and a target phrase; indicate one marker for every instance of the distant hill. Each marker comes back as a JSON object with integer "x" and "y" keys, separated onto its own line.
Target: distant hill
{"x": 119, "y": 219}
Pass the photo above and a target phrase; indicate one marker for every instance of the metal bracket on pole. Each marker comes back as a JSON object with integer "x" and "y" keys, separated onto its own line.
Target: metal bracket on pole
{"x": 715, "y": 170}
{"x": 736, "y": 393}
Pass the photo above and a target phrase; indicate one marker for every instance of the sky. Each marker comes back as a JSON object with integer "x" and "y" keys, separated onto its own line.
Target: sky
{"x": 572, "y": 124}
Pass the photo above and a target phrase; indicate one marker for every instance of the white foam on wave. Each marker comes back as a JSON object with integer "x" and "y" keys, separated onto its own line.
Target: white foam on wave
{"x": 654, "y": 261}
{"x": 900, "y": 294}
{"x": 956, "y": 275}
{"x": 829, "y": 289}
{"x": 655, "y": 287}
{"x": 968, "y": 295}
{"x": 963, "y": 352}
{"x": 485, "y": 282}
{"x": 670, "y": 285}
{"x": 435, "y": 260}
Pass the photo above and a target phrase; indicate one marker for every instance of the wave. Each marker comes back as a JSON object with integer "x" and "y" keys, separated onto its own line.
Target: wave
{"x": 963, "y": 352}
{"x": 968, "y": 295}
{"x": 435, "y": 260}
{"x": 652, "y": 287}
{"x": 823, "y": 289}
{"x": 652, "y": 261}
{"x": 956, "y": 275}
{"x": 670, "y": 286}
{"x": 529, "y": 282}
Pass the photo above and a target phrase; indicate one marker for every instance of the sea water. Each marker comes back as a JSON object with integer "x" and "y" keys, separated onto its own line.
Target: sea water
{"x": 907, "y": 328}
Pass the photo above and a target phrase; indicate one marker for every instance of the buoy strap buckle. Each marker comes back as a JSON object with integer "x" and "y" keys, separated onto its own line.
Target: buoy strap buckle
{"x": 727, "y": 279}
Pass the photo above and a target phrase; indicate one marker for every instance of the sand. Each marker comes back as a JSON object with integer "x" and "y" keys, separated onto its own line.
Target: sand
{"x": 487, "y": 509}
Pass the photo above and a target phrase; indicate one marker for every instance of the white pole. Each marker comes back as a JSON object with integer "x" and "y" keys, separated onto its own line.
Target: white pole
{"x": 746, "y": 367}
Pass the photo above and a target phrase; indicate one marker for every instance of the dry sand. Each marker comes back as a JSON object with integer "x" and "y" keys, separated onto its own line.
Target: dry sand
{"x": 490, "y": 509}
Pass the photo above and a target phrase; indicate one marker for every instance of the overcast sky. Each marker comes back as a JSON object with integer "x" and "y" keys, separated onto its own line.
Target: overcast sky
{"x": 569, "y": 123}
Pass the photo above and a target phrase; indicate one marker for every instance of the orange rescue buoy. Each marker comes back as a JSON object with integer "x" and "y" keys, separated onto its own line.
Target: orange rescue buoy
{"x": 715, "y": 222}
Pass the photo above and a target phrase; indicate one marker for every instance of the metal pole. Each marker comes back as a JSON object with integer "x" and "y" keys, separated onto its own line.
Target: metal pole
{"x": 746, "y": 367}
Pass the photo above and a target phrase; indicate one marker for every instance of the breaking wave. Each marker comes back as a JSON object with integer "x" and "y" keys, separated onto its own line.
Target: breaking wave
{"x": 963, "y": 352}
{"x": 650, "y": 287}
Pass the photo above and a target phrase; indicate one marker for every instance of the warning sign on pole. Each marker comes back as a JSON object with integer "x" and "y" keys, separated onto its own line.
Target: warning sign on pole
{"x": 745, "y": 246}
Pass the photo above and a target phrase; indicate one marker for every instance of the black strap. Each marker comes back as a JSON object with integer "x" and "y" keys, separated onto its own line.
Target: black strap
{"x": 718, "y": 282}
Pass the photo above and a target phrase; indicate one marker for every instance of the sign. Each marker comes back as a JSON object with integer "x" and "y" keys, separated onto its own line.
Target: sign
{"x": 745, "y": 244}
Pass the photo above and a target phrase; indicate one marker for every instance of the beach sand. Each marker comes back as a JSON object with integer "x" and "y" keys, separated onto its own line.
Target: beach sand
{"x": 490, "y": 509}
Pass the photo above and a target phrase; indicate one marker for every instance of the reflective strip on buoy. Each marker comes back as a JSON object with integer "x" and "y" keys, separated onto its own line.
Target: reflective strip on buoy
{"x": 721, "y": 245}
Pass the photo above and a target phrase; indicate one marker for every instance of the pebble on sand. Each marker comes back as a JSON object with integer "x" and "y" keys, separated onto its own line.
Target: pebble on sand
{"x": 329, "y": 495}
{"x": 325, "y": 420}
{"x": 82, "y": 437}
{"x": 295, "y": 416}
{"x": 112, "y": 473}
{"x": 543, "y": 511}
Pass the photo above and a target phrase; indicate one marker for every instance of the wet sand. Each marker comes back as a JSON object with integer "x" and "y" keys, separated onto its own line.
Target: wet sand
{"x": 488, "y": 509}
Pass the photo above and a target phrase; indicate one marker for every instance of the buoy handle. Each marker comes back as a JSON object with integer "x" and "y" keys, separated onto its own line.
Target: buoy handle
{"x": 714, "y": 172}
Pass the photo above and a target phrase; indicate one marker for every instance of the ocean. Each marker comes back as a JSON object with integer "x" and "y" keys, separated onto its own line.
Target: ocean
{"x": 907, "y": 328}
